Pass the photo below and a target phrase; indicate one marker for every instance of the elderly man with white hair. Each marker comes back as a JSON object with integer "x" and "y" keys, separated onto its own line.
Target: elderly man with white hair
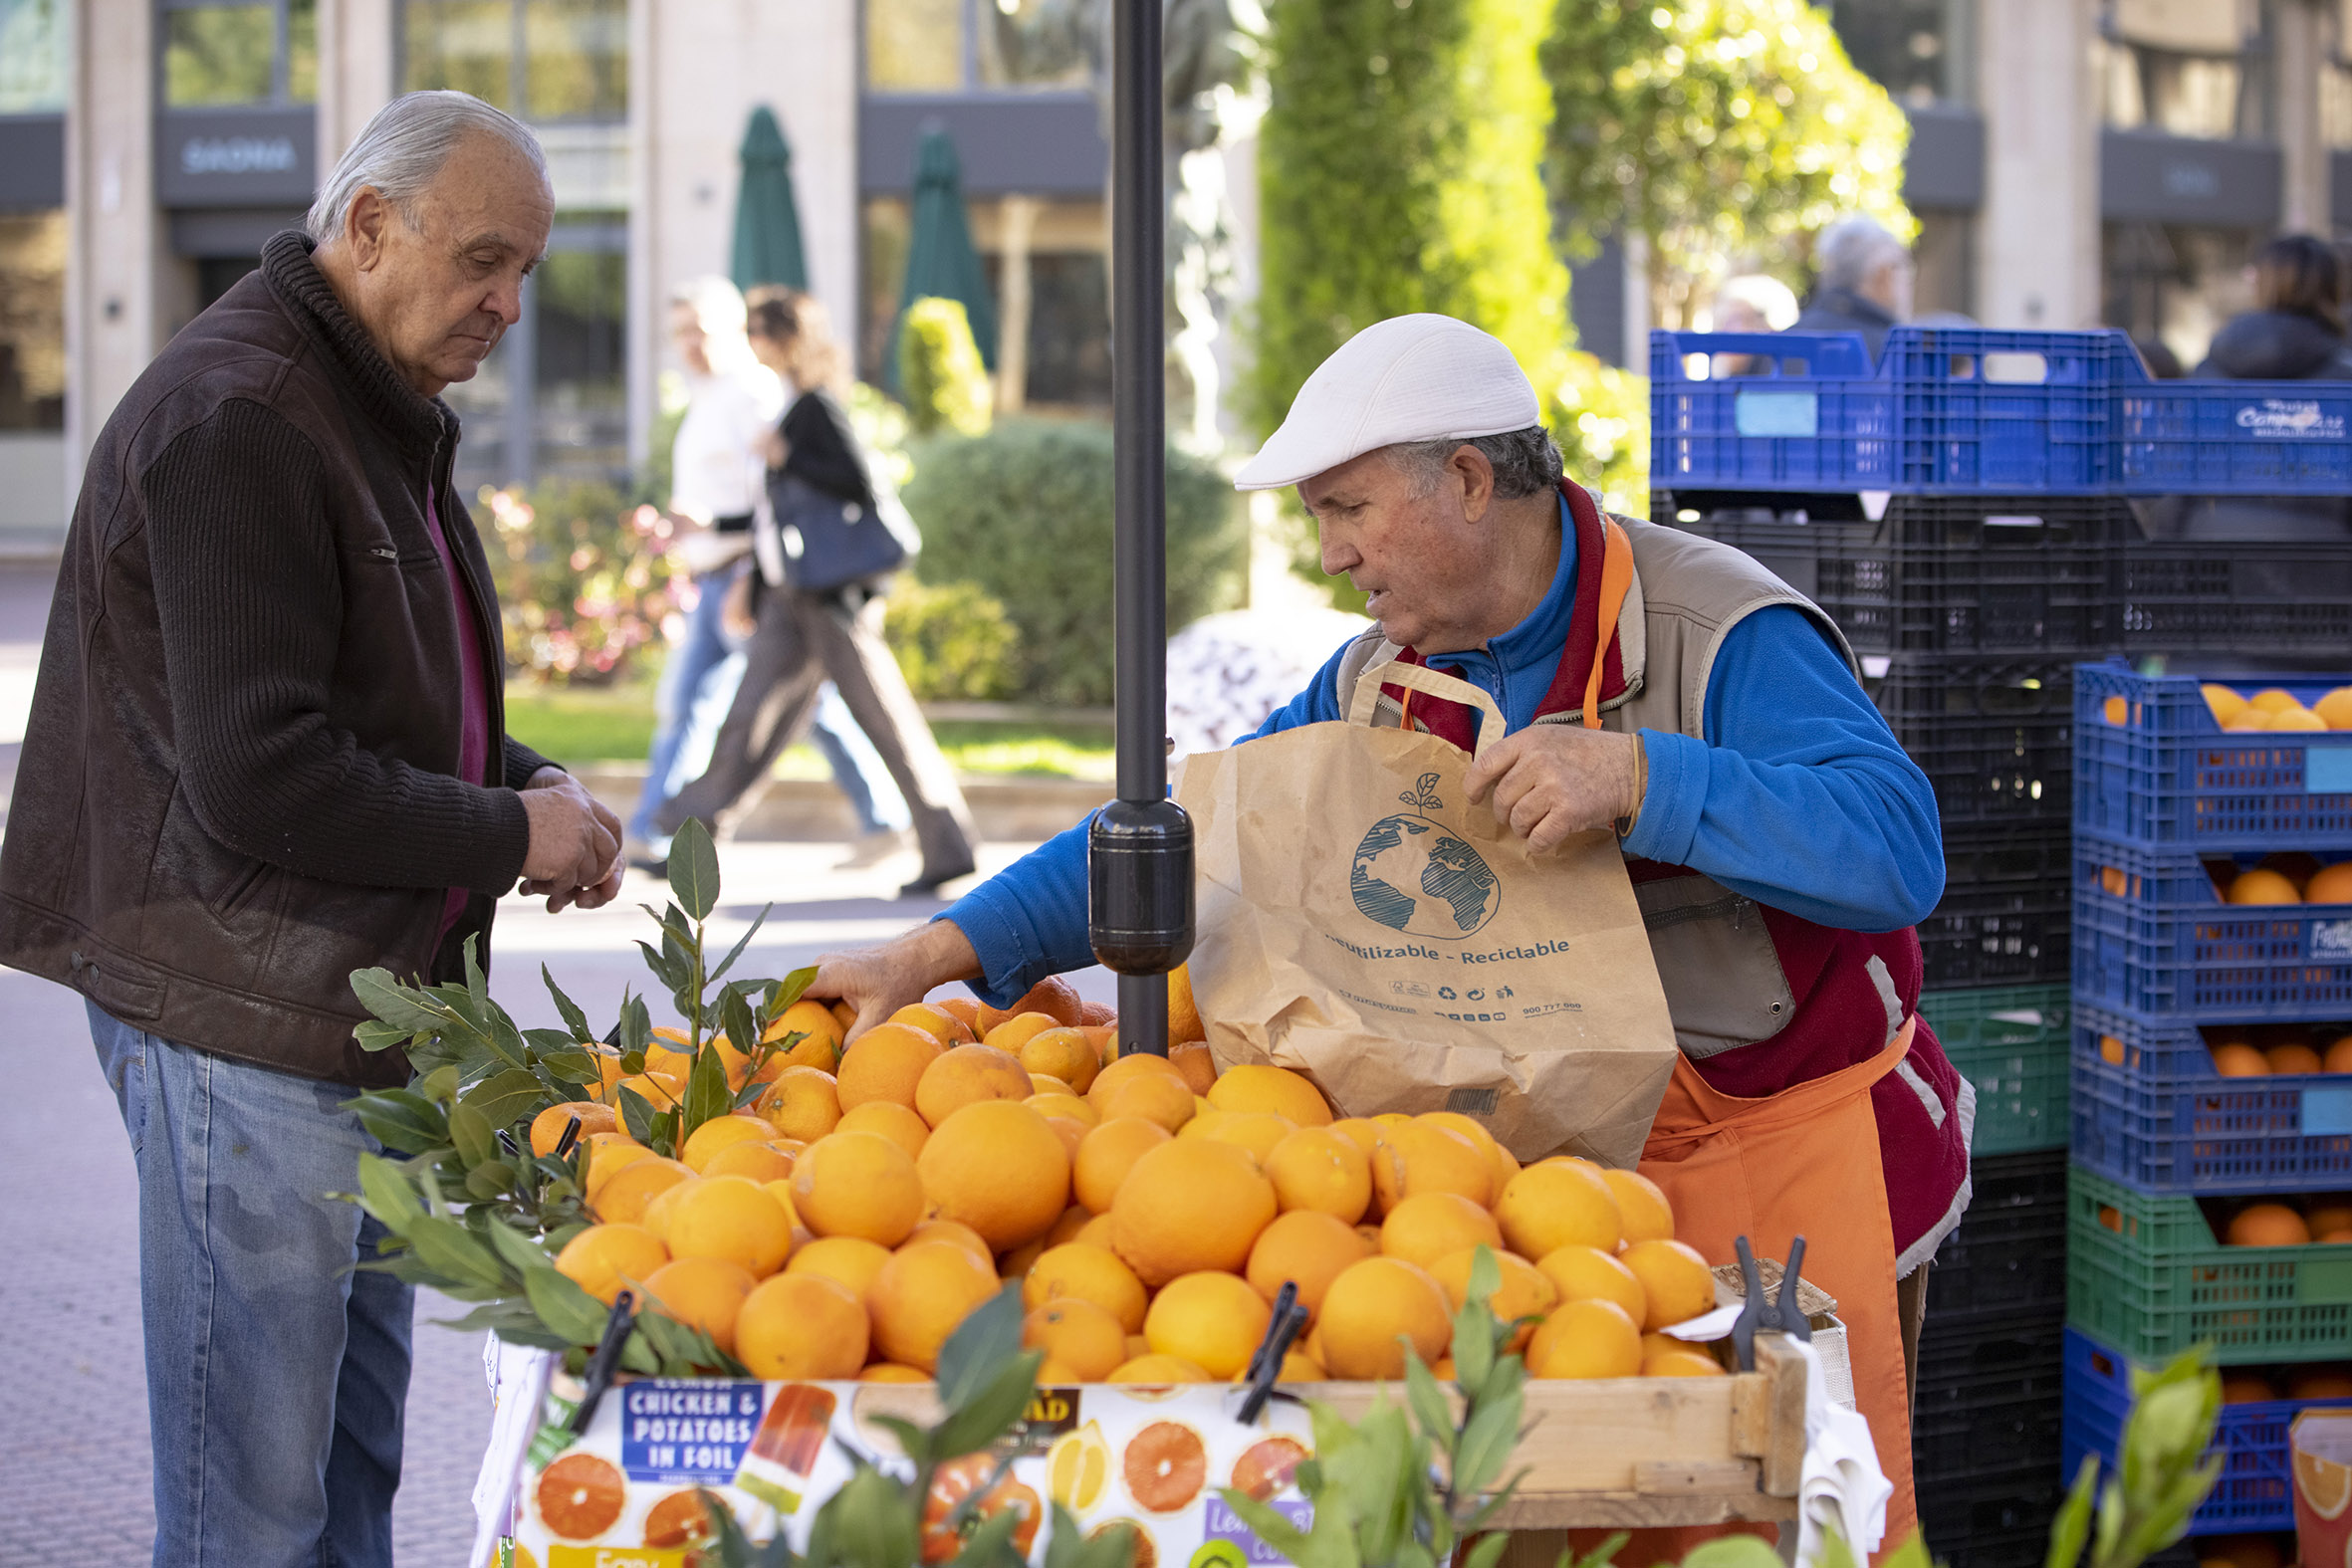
{"x": 1863, "y": 282}
{"x": 1656, "y": 685}
{"x": 267, "y": 749}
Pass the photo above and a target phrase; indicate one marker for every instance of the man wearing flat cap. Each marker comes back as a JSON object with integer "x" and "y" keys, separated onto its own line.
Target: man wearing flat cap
{"x": 1662, "y": 686}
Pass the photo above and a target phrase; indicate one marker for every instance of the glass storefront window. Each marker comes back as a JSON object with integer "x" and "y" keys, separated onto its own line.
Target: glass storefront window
{"x": 33, "y": 320}
{"x": 467, "y": 46}
{"x": 31, "y": 57}
{"x": 302, "y": 51}
{"x": 580, "y": 412}
{"x": 914, "y": 46}
{"x": 2185, "y": 67}
{"x": 1918, "y": 50}
{"x": 576, "y": 62}
{"x": 1033, "y": 44}
{"x": 219, "y": 54}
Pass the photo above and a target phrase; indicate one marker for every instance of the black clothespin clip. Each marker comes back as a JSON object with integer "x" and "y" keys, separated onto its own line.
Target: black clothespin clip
{"x": 568, "y": 1141}
{"x": 1266, "y": 1364}
{"x": 1756, "y": 1312}
{"x": 602, "y": 1363}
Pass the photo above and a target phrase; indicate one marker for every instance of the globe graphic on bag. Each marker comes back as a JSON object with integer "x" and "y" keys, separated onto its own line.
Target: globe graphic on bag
{"x": 1413, "y": 877}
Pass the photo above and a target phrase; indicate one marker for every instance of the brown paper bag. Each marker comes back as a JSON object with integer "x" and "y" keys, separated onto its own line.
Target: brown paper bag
{"x": 1361, "y": 922}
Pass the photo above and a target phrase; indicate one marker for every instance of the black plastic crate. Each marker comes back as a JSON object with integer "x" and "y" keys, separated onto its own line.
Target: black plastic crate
{"x": 2008, "y": 899}
{"x": 1941, "y": 574}
{"x": 1988, "y": 1518}
{"x": 1995, "y": 736}
{"x": 1988, "y": 1395}
{"x": 2003, "y": 1269}
{"x": 2290, "y": 601}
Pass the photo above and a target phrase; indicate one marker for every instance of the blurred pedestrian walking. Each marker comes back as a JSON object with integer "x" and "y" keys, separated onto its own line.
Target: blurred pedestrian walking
{"x": 717, "y": 470}
{"x": 838, "y": 534}
{"x": 1750, "y": 302}
{"x": 1863, "y": 282}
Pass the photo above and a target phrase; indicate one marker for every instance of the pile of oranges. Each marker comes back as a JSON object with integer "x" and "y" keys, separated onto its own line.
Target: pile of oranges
{"x": 844, "y": 1222}
{"x": 2273, "y": 1224}
{"x": 2269, "y": 709}
{"x": 2284, "y": 879}
{"x": 2244, "y": 1052}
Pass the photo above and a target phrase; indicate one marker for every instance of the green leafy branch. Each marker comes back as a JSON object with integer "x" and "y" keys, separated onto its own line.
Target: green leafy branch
{"x": 1374, "y": 1482}
{"x": 2161, "y": 1478}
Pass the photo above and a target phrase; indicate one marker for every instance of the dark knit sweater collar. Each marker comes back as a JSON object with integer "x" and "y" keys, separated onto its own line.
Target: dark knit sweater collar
{"x": 412, "y": 418}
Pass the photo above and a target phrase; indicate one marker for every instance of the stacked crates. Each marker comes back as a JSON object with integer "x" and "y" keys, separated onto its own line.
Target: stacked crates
{"x": 1956, "y": 528}
{"x": 2187, "y": 1113}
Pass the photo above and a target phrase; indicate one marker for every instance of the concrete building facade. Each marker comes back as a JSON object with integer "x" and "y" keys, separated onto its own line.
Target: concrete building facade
{"x": 2073, "y": 163}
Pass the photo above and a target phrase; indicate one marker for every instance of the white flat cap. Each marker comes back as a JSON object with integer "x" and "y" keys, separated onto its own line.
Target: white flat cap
{"x": 1408, "y": 378}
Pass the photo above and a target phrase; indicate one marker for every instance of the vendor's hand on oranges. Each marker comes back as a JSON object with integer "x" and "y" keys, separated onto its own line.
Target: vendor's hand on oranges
{"x": 1549, "y": 780}
{"x": 879, "y": 982}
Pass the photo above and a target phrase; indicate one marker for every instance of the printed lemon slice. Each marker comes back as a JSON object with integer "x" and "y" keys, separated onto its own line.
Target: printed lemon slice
{"x": 1077, "y": 1467}
{"x": 2326, "y": 1485}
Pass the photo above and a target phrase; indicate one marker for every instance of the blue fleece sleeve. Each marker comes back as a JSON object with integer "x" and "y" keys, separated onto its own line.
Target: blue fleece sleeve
{"x": 1029, "y": 920}
{"x": 1800, "y": 796}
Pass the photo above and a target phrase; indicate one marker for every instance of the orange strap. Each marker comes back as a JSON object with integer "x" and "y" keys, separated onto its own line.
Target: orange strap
{"x": 1616, "y": 578}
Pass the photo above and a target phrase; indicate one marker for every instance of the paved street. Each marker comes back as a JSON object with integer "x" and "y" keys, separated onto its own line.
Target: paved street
{"x": 74, "y": 1463}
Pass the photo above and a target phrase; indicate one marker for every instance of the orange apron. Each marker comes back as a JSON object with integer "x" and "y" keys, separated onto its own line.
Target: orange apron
{"x": 1802, "y": 1161}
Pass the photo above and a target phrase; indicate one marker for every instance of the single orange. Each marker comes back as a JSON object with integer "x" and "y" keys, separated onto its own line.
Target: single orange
{"x": 1080, "y": 1336}
{"x": 964, "y": 1009}
{"x": 2262, "y": 885}
{"x": 919, "y": 1296}
{"x": 1188, "y": 1206}
{"x": 2340, "y": 1055}
{"x": 547, "y": 1128}
{"x": 1259, "y": 1132}
{"x": 940, "y": 1025}
{"x": 1184, "y": 1013}
{"x": 722, "y": 1132}
{"x": 1520, "y": 1290}
{"x": 802, "y": 1328}
{"x": 2247, "y": 1388}
{"x": 2267, "y": 1224}
{"x": 731, "y": 1218}
{"x": 1428, "y": 1226}
{"x": 605, "y": 1258}
{"x": 1373, "y": 1310}
{"x": 894, "y": 1121}
{"x": 1000, "y": 1168}
{"x": 1307, "y": 1247}
{"x": 761, "y": 1162}
{"x": 2292, "y": 1057}
{"x": 2238, "y": 1059}
{"x": 2336, "y": 708}
{"x": 606, "y": 1154}
{"x": 1586, "y": 1339}
{"x": 820, "y": 1034}
{"x": 2223, "y": 703}
{"x": 702, "y": 1292}
{"x": 2111, "y": 1051}
{"x": 2273, "y": 699}
{"x": 1052, "y": 995}
{"x": 1587, "y": 1274}
{"x": 1320, "y": 1168}
{"x": 1212, "y": 1319}
{"x": 1431, "y": 1159}
{"x": 886, "y": 1063}
{"x": 623, "y": 1198}
{"x": 857, "y": 1184}
{"x": 1556, "y": 1203}
{"x": 2331, "y": 884}
{"x": 1688, "y": 1362}
{"x": 1017, "y": 1031}
{"x": 850, "y": 1260}
{"x": 1675, "y": 1280}
{"x": 1083, "y": 1272}
{"x": 967, "y": 1075}
{"x": 1260, "y": 1087}
{"x": 1643, "y": 1212}
{"x": 2302, "y": 719}
{"x": 803, "y": 1103}
{"x": 1106, "y": 1156}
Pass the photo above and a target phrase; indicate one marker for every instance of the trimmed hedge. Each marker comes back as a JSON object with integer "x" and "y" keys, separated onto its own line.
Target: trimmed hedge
{"x": 1023, "y": 513}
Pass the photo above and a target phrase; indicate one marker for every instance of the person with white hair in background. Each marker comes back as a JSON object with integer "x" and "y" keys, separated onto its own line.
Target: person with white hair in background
{"x": 1863, "y": 282}
{"x": 267, "y": 749}
{"x": 1751, "y": 302}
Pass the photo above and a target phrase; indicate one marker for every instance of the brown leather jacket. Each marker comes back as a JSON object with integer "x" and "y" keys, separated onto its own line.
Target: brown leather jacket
{"x": 238, "y": 779}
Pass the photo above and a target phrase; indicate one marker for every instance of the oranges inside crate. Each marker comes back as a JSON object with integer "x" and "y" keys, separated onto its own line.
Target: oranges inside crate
{"x": 843, "y": 1222}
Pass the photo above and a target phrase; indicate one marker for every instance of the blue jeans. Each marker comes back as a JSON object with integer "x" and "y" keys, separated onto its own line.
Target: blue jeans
{"x": 697, "y": 687}
{"x": 857, "y": 766}
{"x": 276, "y": 1376}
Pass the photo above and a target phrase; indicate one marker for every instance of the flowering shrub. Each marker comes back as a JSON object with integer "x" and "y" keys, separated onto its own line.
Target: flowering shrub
{"x": 584, "y": 580}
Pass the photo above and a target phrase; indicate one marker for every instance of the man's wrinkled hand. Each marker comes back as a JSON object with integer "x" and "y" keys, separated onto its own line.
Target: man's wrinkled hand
{"x": 1549, "y": 780}
{"x": 574, "y": 852}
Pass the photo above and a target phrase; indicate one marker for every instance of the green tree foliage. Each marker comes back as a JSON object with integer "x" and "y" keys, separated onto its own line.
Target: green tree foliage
{"x": 1024, "y": 514}
{"x": 1720, "y": 132}
{"x": 939, "y": 367}
{"x": 1397, "y": 172}
{"x": 953, "y": 643}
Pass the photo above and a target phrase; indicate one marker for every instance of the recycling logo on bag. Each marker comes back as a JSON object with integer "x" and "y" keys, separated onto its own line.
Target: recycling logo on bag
{"x": 1413, "y": 877}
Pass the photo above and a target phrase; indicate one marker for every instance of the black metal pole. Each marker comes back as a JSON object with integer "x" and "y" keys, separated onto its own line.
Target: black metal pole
{"x": 1139, "y": 852}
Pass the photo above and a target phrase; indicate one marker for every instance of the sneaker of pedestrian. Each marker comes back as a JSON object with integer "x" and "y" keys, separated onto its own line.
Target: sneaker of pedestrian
{"x": 640, "y": 855}
{"x": 872, "y": 850}
{"x": 933, "y": 879}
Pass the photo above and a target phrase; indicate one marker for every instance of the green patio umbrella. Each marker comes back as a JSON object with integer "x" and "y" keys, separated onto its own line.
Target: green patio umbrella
{"x": 767, "y": 219}
{"x": 940, "y": 261}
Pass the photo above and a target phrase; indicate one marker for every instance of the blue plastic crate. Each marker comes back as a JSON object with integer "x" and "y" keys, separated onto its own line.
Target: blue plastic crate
{"x": 2164, "y": 1121}
{"x": 2256, "y": 1489}
{"x": 2247, "y": 438}
{"x": 2152, "y": 936}
{"x": 1947, "y": 411}
{"x": 2152, "y": 767}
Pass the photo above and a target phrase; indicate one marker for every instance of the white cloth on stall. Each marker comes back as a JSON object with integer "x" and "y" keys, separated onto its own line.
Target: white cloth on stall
{"x": 1842, "y": 1486}
{"x": 518, "y": 1378}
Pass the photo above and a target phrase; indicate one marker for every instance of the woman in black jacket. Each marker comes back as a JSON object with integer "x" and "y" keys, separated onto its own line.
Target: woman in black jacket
{"x": 813, "y": 627}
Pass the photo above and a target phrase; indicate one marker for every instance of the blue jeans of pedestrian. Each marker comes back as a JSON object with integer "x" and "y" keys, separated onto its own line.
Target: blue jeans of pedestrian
{"x": 857, "y": 766}
{"x": 277, "y": 1374}
{"x": 697, "y": 687}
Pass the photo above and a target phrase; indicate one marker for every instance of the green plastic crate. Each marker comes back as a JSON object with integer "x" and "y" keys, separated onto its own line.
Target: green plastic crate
{"x": 2011, "y": 1041}
{"x": 2153, "y": 1279}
